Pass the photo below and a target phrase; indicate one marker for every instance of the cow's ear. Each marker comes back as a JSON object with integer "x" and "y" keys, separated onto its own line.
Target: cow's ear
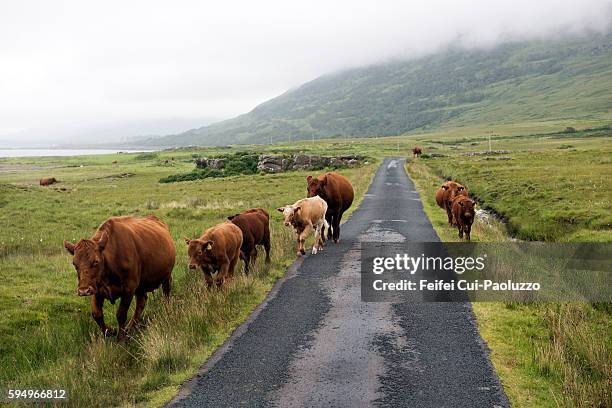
{"x": 208, "y": 245}
{"x": 231, "y": 217}
{"x": 187, "y": 240}
{"x": 296, "y": 209}
{"x": 460, "y": 202}
{"x": 324, "y": 181}
{"x": 309, "y": 178}
{"x": 280, "y": 209}
{"x": 460, "y": 188}
{"x": 103, "y": 241}
{"x": 444, "y": 187}
{"x": 69, "y": 246}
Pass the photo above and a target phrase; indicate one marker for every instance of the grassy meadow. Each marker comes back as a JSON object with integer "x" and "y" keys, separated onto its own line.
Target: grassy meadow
{"x": 551, "y": 189}
{"x": 49, "y": 339}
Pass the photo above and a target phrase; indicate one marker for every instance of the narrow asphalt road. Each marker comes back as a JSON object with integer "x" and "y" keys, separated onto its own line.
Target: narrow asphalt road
{"x": 315, "y": 343}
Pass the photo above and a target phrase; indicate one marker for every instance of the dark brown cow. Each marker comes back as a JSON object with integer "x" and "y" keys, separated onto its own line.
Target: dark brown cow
{"x": 445, "y": 195}
{"x": 127, "y": 256}
{"x": 337, "y": 191}
{"x": 47, "y": 181}
{"x": 463, "y": 213}
{"x": 417, "y": 151}
{"x": 255, "y": 227}
{"x": 218, "y": 249}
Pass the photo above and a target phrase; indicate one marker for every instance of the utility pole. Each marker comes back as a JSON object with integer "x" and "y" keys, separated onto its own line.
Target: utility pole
{"x": 489, "y": 142}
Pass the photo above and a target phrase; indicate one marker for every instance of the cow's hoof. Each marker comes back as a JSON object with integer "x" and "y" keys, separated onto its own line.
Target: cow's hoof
{"x": 314, "y": 251}
{"x": 110, "y": 332}
{"x": 336, "y": 240}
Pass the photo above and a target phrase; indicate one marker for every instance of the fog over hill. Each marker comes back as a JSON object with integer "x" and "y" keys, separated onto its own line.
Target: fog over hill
{"x": 515, "y": 82}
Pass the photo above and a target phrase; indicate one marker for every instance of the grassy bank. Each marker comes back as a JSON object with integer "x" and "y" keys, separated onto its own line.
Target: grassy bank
{"x": 546, "y": 355}
{"x": 49, "y": 339}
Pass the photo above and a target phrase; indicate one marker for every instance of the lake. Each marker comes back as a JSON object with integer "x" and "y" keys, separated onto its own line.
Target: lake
{"x": 62, "y": 152}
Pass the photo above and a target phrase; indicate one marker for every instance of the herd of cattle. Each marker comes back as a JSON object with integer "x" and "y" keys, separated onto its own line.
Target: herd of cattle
{"x": 129, "y": 257}
{"x": 453, "y": 197}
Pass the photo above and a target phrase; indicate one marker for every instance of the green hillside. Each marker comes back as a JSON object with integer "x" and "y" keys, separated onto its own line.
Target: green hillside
{"x": 545, "y": 82}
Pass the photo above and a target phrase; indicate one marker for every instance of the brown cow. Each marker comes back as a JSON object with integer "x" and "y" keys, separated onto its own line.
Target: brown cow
{"x": 337, "y": 191}
{"x": 444, "y": 197}
{"x": 47, "y": 181}
{"x": 127, "y": 256}
{"x": 463, "y": 213}
{"x": 304, "y": 216}
{"x": 255, "y": 227}
{"x": 217, "y": 250}
{"x": 417, "y": 151}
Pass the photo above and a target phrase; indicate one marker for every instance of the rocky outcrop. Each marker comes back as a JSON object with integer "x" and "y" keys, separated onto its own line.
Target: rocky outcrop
{"x": 203, "y": 163}
{"x": 277, "y": 164}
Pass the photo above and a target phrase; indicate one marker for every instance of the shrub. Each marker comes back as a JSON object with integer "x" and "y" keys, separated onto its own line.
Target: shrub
{"x": 146, "y": 156}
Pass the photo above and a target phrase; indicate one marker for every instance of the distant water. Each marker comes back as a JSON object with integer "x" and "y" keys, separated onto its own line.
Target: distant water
{"x": 61, "y": 152}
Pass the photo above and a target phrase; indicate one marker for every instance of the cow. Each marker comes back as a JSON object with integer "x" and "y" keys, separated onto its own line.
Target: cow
{"x": 463, "y": 213}
{"x": 126, "y": 257}
{"x": 338, "y": 193}
{"x": 255, "y": 227}
{"x": 304, "y": 216}
{"x": 217, "y": 250}
{"x": 47, "y": 181}
{"x": 444, "y": 197}
{"x": 417, "y": 151}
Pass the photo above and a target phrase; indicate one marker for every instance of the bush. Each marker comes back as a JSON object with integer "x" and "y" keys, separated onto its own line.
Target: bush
{"x": 236, "y": 164}
{"x": 146, "y": 156}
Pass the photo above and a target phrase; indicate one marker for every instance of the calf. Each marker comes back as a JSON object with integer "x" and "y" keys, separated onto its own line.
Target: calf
{"x": 445, "y": 195}
{"x": 255, "y": 227}
{"x": 417, "y": 151}
{"x": 47, "y": 181}
{"x": 127, "y": 256}
{"x": 217, "y": 250}
{"x": 463, "y": 213}
{"x": 304, "y": 216}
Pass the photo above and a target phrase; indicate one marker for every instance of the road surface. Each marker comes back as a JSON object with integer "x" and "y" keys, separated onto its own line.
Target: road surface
{"x": 315, "y": 343}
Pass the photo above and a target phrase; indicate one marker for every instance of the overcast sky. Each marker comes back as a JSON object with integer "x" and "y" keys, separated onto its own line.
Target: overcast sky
{"x": 112, "y": 69}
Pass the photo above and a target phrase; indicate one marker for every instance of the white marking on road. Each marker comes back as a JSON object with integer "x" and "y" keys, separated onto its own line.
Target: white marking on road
{"x": 392, "y": 164}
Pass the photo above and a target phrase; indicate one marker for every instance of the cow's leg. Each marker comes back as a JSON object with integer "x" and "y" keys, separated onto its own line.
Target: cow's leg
{"x": 337, "y": 219}
{"x": 468, "y": 230}
{"x": 449, "y": 214}
{"x": 246, "y": 257}
{"x": 266, "y": 245}
{"x": 166, "y": 285}
{"x": 224, "y": 271}
{"x": 302, "y": 239}
{"x": 97, "y": 303}
{"x": 209, "y": 279}
{"x": 317, "y": 238}
{"x": 460, "y": 228}
{"x": 232, "y": 266}
{"x": 122, "y": 311}
{"x": 330, "y": 220}
{"x": 141, "y": 301}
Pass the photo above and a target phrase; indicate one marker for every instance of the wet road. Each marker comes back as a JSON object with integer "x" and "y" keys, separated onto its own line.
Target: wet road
{"x": 315, "y": 343}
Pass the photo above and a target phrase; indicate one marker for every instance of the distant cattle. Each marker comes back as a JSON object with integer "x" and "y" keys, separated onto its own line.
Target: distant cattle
{"x": 304, "y": 216}
{"x": 217, "y": 250}
{"x": 47, "y": 181}
{"x": 445, "y": 195}
{"x": 255, "y": 227}
{"x": 417, "y": 151}
{"x": 126, "y": 256}
{"x": 463, "y": 213}
{"x": 337, "y": 191}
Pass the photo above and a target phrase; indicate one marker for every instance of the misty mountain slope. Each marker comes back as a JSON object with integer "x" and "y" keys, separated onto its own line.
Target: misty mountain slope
{"x": 520, "y": 82}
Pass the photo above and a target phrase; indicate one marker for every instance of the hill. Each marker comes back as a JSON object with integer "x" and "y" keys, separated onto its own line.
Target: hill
{"x": 534, "y": 82}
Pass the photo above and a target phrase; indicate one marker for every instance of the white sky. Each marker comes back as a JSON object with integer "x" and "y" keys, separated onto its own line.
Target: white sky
{"x": 70, "y": 67}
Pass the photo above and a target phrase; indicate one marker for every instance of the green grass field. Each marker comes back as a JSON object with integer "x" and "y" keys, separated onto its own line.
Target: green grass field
{"x": 553, "y": 188}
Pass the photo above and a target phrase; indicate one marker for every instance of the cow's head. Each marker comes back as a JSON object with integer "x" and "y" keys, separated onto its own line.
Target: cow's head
{"x": 454, "y": 190}
{"x": 289, "y": 213}
{"x": 88, "y": 260}
{"x": 201, "y": 254}
{"x": 467, "y": 207}
{"x": 316, "y": 186}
